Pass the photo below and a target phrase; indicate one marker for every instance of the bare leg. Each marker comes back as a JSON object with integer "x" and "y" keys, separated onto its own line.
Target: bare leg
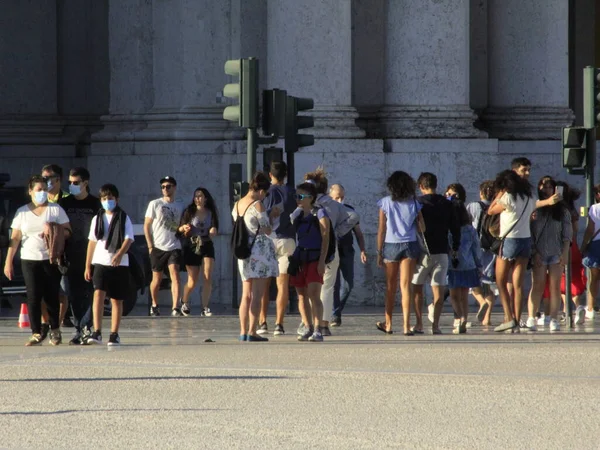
{"x": 407, "y": 270}
{"x": 192, "y": 281}
{"x": 116, "y": 314}
{"x": 175, "y": 284}
{"x": 64, "y": 307}
{"x": 245, "y": 306}
{"x": 283, "y": 294}
{"x": 155, "y": 286}
{"x": 264, "y": 303}
{"x": 519, "y": 270}
{"x": 391, "y": 287}
{"x": 538, "y": 283}
{"x": 314, "y": 294}
{"x": 438, "y": 303}
{"x": 98, "y": 308}
{"x": 258, "y": 289}
{"x": 456, "y": 301}
{"x": 593, "y": 290}
{"x": 207, "y": 281}
{"x": 502, "y": 271}
{"x": 304, "y": 306}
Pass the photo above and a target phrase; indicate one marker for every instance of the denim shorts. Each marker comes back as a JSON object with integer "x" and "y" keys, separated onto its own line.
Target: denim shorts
{"x": 513, "y": 248}
{"x": 394, "y": 252}
{"x": 550, "y": 260}
{"x": 591, "y": 258}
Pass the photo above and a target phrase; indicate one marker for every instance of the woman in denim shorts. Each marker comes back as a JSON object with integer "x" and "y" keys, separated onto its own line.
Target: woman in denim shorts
{"x": 551, "y": 233}
{"x": 591, "y": 251}
{"x": 397, "y": 247}
{"x": 515, "y": 204}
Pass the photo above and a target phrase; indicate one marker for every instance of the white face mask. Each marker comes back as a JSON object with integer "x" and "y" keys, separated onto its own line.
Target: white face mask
{"x": 40, "y": 197}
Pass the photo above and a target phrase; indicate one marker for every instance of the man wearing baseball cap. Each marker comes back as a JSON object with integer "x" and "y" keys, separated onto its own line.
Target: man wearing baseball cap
{"x": 162, "y": 231}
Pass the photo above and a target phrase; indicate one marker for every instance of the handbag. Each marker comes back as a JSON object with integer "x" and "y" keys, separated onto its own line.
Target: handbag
{"x": 497, "y": 244}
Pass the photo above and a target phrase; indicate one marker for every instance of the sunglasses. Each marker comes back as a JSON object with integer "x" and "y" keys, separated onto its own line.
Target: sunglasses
{"x": 50, "y": 177}
{"x": 302, "y": 196}
{"x": 75, "y": 183}
{"x": 166, "y": 186}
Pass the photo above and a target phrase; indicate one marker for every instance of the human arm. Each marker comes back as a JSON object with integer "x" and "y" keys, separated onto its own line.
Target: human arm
{"x": 360, "y": 237}
{"x": 588, "y": 233}
{"x": 127, "y": 241}
{"x": 324, "y": 228}
{"x": 381, "y": 230}
{"x": 148, "y": 233}
{"x": 263, "y": 220}
{"x": 88, "y": 259}
{"x": 15, "y": 240}
{"x": 553, "y": 200}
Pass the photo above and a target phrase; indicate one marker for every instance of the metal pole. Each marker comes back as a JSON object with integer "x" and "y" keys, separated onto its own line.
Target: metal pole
{"x": 568, "y": 296}
{"x": 589, "y": 182}
{"x": 291, "y": 181}
{"x": 251, "y": 154}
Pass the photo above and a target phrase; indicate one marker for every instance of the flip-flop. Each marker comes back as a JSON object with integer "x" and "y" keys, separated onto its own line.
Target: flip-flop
{"x": 381, "y": 327}
{"x": 415, "y": 331}
{"x": 410, "y": 333}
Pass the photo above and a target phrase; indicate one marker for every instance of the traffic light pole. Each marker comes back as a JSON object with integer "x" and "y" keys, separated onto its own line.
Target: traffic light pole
{"x": 251, "y": 154}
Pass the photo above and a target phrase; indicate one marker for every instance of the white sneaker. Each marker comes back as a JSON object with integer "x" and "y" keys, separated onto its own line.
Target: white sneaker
{"x": 541, "y": 320}
{"x": 590, "y": 314}
{"x": 554, "y": 325}
{"x": 456, "y": 323}
{"x": 531, "y": 324}
{"x": 579, "y": 315}
{"x": 430, "y": 312}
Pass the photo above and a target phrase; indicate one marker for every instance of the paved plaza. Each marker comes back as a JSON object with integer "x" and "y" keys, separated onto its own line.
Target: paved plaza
{"x": 165, "y": 387}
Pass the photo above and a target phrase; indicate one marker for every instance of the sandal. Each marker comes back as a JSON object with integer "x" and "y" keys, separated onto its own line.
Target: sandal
{"x": 409, "y": 333}
{"x": 415, "y": 331}
{"x": 381, "y": 327}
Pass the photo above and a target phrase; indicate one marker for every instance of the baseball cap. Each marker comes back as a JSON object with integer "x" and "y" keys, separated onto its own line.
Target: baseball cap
{"x": 169, "y": 179}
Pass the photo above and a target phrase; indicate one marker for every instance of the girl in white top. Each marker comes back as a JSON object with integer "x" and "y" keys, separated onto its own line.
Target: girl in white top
{"x": 42, "y": 279}
{"x": 262, "y": 263}
{"x": 515, "y": 204}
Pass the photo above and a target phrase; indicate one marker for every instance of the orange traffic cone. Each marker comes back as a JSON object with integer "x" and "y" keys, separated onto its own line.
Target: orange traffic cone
{"x": 24, "y": 316}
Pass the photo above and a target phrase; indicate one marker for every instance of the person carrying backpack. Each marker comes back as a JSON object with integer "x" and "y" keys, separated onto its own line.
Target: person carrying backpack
{"x": 255, "y": 253}
{"x": 486, "y": 293}
{"x": 315, "y": 247}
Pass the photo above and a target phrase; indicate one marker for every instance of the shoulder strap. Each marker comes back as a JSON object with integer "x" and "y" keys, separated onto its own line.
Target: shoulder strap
{"x": 518, "y": 220}
{"x": 480, "y": 220}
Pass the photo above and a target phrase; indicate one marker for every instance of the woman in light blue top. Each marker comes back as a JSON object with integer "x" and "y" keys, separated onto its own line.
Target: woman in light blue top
{"x": 397, "y": 246}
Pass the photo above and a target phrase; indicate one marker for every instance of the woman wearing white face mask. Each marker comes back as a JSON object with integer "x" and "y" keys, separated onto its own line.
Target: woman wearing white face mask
{"x": 42, "y": 279}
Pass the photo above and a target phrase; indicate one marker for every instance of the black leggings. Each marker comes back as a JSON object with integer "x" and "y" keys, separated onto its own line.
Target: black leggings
{"x": 42, "y": 281}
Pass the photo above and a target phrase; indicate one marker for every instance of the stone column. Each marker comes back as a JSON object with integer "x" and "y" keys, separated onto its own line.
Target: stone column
{"x": 28, "y": 73}
{"x": 309, "y": 47}
{"x": 427, "y": 71}
{"x": 528, "y": 69}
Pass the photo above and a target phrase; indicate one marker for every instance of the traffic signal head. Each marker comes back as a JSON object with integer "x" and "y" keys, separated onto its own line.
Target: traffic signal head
{"x": 246, "y": 113}
{"x": 294, "y": 122}
{"x": 273, "y": 118}
{"x": 574, "y": 147}
{"x": 591, "y": 97}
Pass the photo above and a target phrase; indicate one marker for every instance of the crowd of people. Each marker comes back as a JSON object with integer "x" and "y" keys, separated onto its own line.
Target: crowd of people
{"x": 74, "y": 251}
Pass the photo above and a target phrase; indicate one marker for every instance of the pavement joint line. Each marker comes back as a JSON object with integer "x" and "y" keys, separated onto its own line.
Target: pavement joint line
{"x": 510, "y": 375}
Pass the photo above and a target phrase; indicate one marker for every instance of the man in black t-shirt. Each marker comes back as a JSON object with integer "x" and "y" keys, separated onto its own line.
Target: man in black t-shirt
{"x": 80, "y": 207}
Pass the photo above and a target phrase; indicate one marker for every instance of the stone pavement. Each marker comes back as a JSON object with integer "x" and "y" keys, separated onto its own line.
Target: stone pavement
{"x": 166, "y": 388}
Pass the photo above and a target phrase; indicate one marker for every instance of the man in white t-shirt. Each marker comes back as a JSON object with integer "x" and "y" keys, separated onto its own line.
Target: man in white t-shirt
{"x": 111, "y": 235}
{"x": 162, "y": 231}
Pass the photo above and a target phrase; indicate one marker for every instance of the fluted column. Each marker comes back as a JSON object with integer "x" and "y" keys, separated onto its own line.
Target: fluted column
{"x": 309, "y": 47}
{"x": 427, "y": 70}
{"x": 528, "y": 69}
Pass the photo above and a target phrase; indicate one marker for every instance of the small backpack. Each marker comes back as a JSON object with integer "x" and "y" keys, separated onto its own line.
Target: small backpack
{"x": 332, "y": 239}
{"x": 489, "y": 231}
{"x": 240, "y": 235}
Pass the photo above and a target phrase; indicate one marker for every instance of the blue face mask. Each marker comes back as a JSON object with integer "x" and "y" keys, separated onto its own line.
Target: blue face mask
{"x": 449, "y": 197}
{"x": 109, "y": 205}
{"x": 74, "y": 190}
{"x": 40, "y": 197}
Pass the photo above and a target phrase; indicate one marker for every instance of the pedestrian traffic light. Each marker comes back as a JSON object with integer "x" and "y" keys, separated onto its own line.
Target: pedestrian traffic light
{"x": 574, "y": 147}
{"x": 246, "y": 113}
{"x": 273, "y": 117}
{"x": 237, "y": 187}
{"x": 591, "y": 97}
{"x": 294, "y": 122}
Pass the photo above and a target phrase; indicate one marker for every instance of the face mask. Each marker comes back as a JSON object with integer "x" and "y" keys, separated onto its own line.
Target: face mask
{"x": 50, "y": 185}
{"x": 449, "y": 197}
{"x": 74, "y": 190}
{"x": 40, "y": 197}
{"x": 109, "y": 205}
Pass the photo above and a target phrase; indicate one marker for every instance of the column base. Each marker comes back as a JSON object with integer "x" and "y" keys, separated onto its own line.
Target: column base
{"x": 454, "y": 121}
{"x": 33, "y": 129}
{"x": 185, "y": 124}
{"x": 335, "y": 122}
{"x": 526, "y": 122}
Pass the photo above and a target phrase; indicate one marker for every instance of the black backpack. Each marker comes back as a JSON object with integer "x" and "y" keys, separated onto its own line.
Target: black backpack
{"x": 489, "y": 229}
{"x": 240, "y": 235}
{"x": 332, "y": 239}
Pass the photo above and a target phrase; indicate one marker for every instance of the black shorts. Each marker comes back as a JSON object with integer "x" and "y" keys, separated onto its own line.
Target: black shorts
{"x": 191, "y": 259}
{"x": 112, "y": 280}
{"x": 160, "y": 260}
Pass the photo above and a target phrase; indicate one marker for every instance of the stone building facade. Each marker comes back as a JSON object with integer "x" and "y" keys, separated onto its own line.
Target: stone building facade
{"x": 132, "y": 90}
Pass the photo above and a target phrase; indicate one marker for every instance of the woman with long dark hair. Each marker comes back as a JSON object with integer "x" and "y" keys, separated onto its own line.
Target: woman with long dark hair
{"x": 202, "y": 217}
{"x": 400, "y": 220}
{"x": 551, "y": 231}
{"x": 515, "y": 204}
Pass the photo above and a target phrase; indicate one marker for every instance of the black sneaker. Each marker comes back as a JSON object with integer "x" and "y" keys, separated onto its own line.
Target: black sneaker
{"x": 252, "y": 338}
{"x": 154, "y": 311}
{"x": 262, "y": 329}
{"x": 336, "y": 322}
{"x": 185, "y": 309}
{"x": 45, "y": 331}
{"x": 176, "y": 313}
{"x": 325, "y": 331}
{"x": 55, "y": 337}
{"x": 278, "y": 330}
{"x": 94, "y": 338}
{"x": 76, "y": 339}
{"x": 114, "y": 339}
